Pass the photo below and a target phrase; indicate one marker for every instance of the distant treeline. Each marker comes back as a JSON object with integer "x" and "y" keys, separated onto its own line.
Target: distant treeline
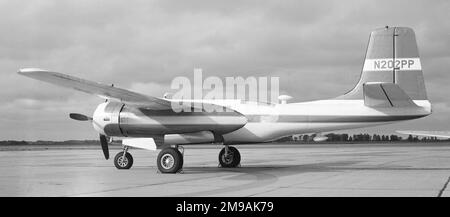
{"x": 41, "y": 142}
{"x": 344, "y": 137}
{"x": 332, "y": 137}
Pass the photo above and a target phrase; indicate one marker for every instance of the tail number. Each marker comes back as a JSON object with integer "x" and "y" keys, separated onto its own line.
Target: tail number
{"x": 390, "y": 64}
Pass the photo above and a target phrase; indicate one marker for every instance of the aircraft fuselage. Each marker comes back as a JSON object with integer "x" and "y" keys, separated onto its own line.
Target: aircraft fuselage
{"x": 250, "y": 122}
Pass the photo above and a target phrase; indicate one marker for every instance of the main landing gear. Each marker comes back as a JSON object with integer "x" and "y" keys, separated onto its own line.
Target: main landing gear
{"x": 170, "y": 160}
{"x": 229, "y": 157}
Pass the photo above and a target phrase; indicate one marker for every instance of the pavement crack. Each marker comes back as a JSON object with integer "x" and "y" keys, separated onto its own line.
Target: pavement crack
{"x": 444, "y": 187}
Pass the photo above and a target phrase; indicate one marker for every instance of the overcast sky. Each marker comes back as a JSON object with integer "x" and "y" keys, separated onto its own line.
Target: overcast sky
{"x": 315, "y": 47}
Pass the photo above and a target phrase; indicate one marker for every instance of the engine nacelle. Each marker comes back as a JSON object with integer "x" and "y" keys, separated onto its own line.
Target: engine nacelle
{"x": 106, "y": 118}
{"x": 121, "y": 120}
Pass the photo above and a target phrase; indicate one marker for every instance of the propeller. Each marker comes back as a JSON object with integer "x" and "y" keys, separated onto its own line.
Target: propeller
{"x": 79, "y": 117}
{"x": 103, "y": 139}
{"x": 104, "y": 144}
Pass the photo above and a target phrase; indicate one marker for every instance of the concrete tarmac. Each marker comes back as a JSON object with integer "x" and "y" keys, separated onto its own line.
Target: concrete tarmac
{"x": 418, "y": 169}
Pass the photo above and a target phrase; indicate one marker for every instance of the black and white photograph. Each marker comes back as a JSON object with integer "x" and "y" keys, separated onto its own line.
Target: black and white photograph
{"x": 220, "y": 99}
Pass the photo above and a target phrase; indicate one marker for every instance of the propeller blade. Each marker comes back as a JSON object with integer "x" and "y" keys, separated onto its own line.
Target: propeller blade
{"x": 79, "y": 117}
{"x": 104, "y": 144}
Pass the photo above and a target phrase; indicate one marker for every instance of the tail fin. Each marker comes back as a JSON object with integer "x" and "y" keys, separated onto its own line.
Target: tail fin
{"x": 392, "y": 57}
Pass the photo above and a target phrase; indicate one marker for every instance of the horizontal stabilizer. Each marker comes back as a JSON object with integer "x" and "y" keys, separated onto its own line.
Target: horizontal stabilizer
{"x": 386, "y": 95}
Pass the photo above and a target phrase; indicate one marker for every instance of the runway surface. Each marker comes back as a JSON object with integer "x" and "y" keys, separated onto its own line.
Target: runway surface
{"x": 267, "y": 170}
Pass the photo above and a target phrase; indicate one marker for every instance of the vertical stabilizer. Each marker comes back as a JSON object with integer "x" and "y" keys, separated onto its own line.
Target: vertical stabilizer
{"x": 392, "y": 57}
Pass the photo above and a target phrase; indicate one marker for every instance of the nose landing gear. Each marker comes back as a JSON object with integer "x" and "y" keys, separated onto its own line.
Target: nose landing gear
{"x": 123, "y": 160}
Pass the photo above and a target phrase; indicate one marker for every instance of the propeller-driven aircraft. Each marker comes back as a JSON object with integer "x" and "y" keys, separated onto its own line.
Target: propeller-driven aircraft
{"x": 391, "y": 89}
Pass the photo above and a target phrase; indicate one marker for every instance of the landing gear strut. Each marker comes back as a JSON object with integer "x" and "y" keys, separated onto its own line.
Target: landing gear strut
{"x": 123, "y": 160}
{"x": 170, "y": 160}
{"x": 229, "y": 157}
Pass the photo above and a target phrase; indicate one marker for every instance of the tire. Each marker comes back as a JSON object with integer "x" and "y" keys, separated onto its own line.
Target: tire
{"x": 123, "y": 164}
{"x": 232, "y": 161}
{"x": 170, "y": 160}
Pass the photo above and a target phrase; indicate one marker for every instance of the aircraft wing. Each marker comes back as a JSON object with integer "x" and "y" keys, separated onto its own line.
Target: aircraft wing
{"x": 99, "y": 89}
{"x": 442, "y": 134}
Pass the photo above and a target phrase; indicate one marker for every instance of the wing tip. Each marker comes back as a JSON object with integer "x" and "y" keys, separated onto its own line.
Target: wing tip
{"x": 26, "y": 71}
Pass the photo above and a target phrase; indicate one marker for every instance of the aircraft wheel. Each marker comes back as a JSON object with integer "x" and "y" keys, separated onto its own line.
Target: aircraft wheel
{"x": 170, "y": 160}
{"x": 232, "y": 159}
{"x": 123, "y": 163}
